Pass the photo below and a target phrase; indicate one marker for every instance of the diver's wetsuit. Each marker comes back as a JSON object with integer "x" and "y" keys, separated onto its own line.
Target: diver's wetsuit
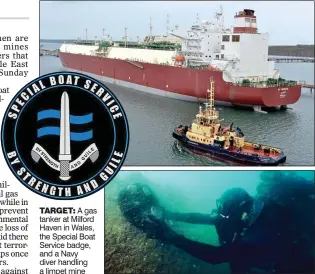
{"x": 223, "y": 229}
{"x": 193, "y": 218}
{"x": 266, "y": 244}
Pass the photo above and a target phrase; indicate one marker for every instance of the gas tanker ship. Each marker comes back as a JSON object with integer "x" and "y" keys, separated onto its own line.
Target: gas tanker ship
{"x": 179, "y": 66}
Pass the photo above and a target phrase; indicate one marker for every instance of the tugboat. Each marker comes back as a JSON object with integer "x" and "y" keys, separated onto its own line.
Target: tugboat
{"x": 207, "y": 135}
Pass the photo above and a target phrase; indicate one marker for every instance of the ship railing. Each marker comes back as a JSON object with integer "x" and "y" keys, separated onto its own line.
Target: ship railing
{"x": 191, "y": 52}
{"x": 251, "y": 154}
{"x": 192, "y": 38}
{"x": 213, "y": 113}
{"x": 301, "y": 82}
{"x": 250, "y": 144}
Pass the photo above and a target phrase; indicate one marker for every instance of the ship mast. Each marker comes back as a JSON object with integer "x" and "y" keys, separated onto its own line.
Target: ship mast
{"x": 150, "y": 30}
{"x": 211, "y": 96}
{"x": 211, "y": 114}
{"x": 220, "y": 18}
{"x": 125, "y": 37}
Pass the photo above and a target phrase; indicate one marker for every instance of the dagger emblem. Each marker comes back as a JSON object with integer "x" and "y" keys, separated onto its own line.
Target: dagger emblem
{"x": 64, "y": 142}
{"x": 65, "y": 166}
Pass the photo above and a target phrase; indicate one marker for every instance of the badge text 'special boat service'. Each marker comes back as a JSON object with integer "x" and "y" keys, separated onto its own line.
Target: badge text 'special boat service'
{"x": 207, "y": 135}
{"x": 180, "y": 65}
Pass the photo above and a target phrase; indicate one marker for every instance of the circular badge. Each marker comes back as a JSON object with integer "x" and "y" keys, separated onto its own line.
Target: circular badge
{"x": 65, "y": 135}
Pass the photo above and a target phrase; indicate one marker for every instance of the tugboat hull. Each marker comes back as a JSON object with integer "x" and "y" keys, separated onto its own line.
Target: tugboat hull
{"x": 227, "y": 155}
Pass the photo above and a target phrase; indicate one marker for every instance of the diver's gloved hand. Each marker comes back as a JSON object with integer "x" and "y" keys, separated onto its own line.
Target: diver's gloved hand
{"x": 162, "y": 231}
{"x": 140, "y": 207}
{"x": 157, "y": 213}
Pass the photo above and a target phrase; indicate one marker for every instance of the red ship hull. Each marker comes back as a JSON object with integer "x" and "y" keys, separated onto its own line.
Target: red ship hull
{"x": 180, "y": 83}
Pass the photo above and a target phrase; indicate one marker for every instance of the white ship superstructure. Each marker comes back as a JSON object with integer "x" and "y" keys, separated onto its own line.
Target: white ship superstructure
{"x": 241, "y": 52}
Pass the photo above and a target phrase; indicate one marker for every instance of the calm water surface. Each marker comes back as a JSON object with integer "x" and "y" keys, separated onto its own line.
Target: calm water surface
{"x": 152, "y": 119}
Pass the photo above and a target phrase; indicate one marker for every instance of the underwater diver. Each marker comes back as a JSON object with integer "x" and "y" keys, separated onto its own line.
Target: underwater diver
{"x": 254, "y": 233}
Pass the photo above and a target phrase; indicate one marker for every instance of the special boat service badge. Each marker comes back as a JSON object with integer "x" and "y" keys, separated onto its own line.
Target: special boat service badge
{"x": 65, "y": 135}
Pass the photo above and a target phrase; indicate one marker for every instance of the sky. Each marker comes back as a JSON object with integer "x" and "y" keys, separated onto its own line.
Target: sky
{"x": 288, "y": 23}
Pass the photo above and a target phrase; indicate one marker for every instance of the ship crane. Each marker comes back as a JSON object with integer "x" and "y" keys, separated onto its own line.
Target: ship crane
{"x": 177, "y": 35}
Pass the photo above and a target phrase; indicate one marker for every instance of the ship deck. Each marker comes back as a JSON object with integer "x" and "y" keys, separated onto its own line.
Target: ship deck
{"x": 251, "y": 151}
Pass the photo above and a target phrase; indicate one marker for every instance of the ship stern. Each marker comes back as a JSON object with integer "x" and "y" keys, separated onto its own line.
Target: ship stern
{"x": 264, "y": 97}
{"x": 281, "y": 96}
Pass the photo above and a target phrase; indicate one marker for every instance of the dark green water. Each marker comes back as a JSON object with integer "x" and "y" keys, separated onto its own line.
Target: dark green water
{"x": 152, "y": 119}
{"x": 177, "y": 191}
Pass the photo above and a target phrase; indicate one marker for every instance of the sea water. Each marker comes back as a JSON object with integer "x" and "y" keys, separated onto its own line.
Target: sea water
{"x": 179, "y": 191}
{"x": 152, "y": 119}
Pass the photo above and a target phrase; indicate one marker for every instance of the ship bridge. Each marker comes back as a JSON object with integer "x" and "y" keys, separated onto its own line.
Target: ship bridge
{"x": 245, "y": 22}
{"x": 207, "y": 117}
{"x": 240, "y": 52}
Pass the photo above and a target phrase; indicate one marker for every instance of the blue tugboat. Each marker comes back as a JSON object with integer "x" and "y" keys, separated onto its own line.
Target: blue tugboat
{"x": 206, "y": 135}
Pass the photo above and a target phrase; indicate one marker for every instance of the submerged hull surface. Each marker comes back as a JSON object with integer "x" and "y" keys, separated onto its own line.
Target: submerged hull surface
{"x": 176, "y": 82}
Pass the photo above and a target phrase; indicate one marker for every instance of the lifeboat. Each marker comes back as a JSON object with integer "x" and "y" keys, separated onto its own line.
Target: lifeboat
{"x": 180, "y": 58}
{"x": 211, "y": 68}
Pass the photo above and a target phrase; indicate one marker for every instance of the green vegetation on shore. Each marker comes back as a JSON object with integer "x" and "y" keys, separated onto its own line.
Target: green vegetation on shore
{"x": 298, "y": 50}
